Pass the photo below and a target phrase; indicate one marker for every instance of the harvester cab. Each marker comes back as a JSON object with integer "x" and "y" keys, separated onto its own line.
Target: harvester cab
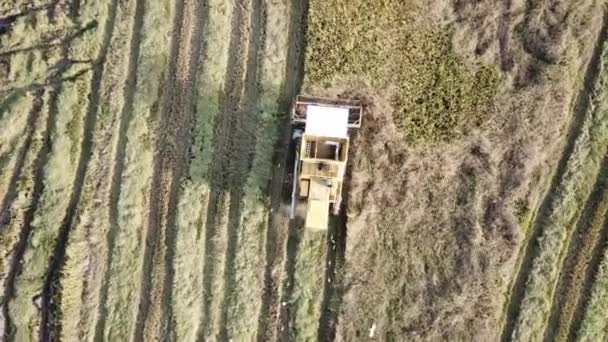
{"x": 320, "y": 137}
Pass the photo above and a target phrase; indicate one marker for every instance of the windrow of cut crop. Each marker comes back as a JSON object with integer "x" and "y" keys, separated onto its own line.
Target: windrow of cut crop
{"x": 81, "y": 281}
{"x": 131, "y": 176}
{"x": 187, "y": 292}
{"x": 594, "y": 326}
{"x": 564, "y": 209}
{"x": 577, "y": 272}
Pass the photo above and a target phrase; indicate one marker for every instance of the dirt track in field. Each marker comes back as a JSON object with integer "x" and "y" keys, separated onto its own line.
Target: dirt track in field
{"x": 530, "y": 248}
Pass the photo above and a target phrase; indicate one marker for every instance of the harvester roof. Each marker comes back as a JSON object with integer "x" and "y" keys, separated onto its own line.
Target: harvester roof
{"x": 327, "y": 121}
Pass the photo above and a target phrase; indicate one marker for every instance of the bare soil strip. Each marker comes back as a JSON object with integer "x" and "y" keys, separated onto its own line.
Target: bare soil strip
{"x": 119, "y": 159}
{"x": 576, "y": 277}
{"x": 176, "y": 117}
{"x": 224, "y": 134}
{"x": 47, "y": 326}
{"x": 530, "y": 249}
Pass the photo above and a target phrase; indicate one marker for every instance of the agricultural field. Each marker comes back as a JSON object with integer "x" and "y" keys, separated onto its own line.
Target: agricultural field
{"x": 145, "y": 171}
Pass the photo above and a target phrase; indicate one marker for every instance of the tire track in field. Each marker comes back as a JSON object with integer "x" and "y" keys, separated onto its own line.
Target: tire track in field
{"x": 171, "y": 160}
{"x": 579, "y": 266}
{"x": 274, "y": 247}
{"x": 119, "y": 156}
{"x": 224, "y": 131}
{"x": 50, "y": 290}
{"x": 11, "y": 193}
{"x": 583, "y": 100}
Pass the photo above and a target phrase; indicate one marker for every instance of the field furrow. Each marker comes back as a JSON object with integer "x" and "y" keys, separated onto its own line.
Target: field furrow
{"x": 579, "y": 267}
{"x": 533, "y": 290}
{"x": 187, "y": 296}
{"x": 173, "y": 143}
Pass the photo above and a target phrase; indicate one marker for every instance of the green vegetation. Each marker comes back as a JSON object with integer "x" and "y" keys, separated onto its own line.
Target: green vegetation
{"x": 567, "y": 200}
{"x": 435, "y": 95}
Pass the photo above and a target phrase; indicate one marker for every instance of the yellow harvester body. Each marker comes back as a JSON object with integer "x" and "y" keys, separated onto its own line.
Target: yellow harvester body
{"x": 322, "y": 154}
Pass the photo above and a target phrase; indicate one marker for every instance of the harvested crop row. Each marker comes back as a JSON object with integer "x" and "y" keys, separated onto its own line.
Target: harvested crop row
{"x": 187, "y": 292}
{"x": 172, "y": 145}
{"x": 556, "y": 223}
{"x": 594, "y": 326}
{"x": 130, "y": 202}
{"x": 308, "y": 285}
{"x": 252, "y": 167}
{"x": 82, "y": 279}
{"x": 576, "y": 274}
{"x": 220, "y": 212}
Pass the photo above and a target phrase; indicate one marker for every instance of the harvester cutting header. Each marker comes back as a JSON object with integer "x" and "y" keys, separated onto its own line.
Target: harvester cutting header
{"x": 320, "y": 138}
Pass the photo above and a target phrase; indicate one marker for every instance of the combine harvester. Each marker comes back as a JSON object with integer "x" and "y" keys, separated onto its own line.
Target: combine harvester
{"x": 320, "y": 139}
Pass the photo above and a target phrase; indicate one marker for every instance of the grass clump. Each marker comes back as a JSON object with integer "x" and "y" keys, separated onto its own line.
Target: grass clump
{"x": 436, "y": 96}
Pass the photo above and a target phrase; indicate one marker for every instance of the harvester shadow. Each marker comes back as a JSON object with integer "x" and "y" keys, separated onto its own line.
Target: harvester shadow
{"x": 278, "y": 193}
